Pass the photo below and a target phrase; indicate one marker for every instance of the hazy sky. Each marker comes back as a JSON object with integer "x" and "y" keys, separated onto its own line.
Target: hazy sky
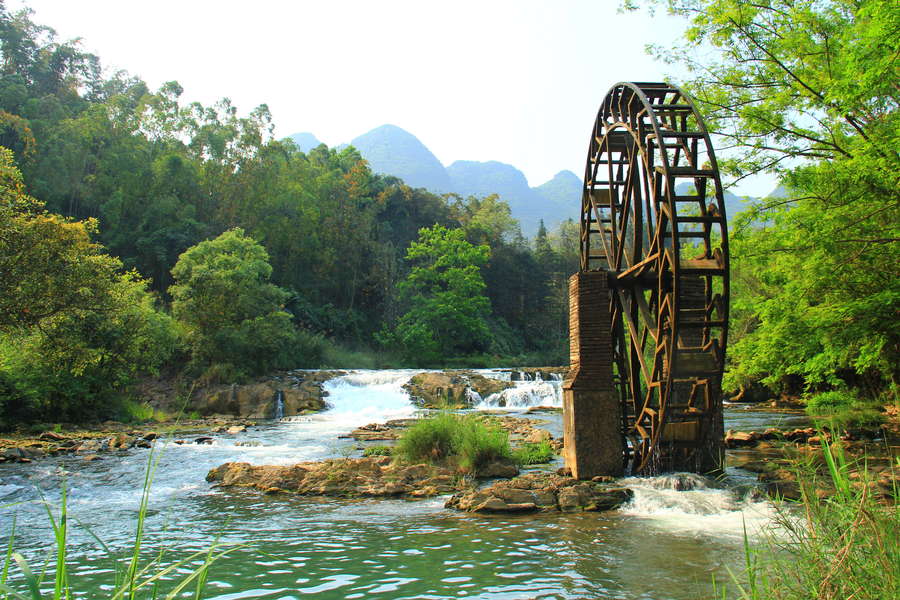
{"x": 518, "y": 82}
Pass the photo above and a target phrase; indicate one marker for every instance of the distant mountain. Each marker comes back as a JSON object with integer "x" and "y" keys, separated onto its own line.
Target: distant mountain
{"x": 561, "y": 196}
{"x": 305, "y": 141}
{"x": 554, "y": 201}
{"x": 393, "y": 151}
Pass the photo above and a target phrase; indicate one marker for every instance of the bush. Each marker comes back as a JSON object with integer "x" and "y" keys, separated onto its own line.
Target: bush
{"x": 232, "y": 316}
{"x": 378, "y": 451}
{"x": 826, "y": 403}
{"x": 464, "y": 440}
{"x": 534, "y": 453}
{"x": 841, "y": 409}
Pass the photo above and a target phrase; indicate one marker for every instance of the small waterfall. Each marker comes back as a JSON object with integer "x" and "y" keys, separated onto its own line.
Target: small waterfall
{"x": 473, "y": 397}
{"x": 279, "y": 405}
{"x": 526, "y": 394}
{"x": 688, "y": 502}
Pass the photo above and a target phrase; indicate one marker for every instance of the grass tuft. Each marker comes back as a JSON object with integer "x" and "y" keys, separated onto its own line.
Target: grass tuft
{"x": 466, "y": 441}
{"x": 532, "y": 453}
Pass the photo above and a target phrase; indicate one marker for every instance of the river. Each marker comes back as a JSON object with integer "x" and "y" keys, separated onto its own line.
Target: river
{"x": 665, "y": 544}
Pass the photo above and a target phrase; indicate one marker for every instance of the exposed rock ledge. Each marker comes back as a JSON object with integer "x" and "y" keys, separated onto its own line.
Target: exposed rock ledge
{"x": 301, "y": 393}
{"x": 448, "y": 389}
{"x": 350, "y": 477}
{"x": 541, "y": 492}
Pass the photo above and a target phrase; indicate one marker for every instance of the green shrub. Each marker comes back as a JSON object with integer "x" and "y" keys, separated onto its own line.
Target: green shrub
{"x": 378, "y": 451}
{"x": 430, "y": 440}
{"x": 534, "y": 453}
{"x": 825, "y": 403}
{"x": 462, "y": 440}
{"x": 842, "y": 409}
{"x": 479, "y": 444}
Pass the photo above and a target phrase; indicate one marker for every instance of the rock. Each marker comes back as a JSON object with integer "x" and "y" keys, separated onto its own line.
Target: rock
{"x": 537, "y": 436}
{"x": 439, "y": 390}
{"x": 90, "y": 446}
{"x": 143, "y": 444}
{"x": 541, "y": 491}
{"x": 249, "y": 443}
{"x": 15, "y": 454}
{"x": 234, "y": 429}
{"x": 350, "y": 477}
{"x": 496, "y": 505}
{"x": 498, "y": 468}
{"x": 300, "y": 394}
{"x": 90, "y": 458}
{"x": 52, "y": 436}
{"x": 740, "y": 439}
{"x": 121, "y": 441}
{"x": 203, "y": 440}
{"x": 150, "y": 436}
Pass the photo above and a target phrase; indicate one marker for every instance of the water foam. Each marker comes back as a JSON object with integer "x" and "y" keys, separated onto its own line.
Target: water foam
{"x": 526, "y": 394}
{"x": 692, "y": 504}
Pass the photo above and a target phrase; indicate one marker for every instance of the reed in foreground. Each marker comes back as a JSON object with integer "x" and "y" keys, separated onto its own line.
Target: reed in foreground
{"x": 133, "y": 578}
{"x": 834, "y": 548}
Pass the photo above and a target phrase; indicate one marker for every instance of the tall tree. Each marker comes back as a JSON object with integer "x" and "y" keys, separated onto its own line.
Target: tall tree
{"x": 448, "y": 310}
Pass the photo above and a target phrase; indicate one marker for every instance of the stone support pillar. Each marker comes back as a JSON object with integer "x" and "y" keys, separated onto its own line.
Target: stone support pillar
{"x": 592, "y": 413}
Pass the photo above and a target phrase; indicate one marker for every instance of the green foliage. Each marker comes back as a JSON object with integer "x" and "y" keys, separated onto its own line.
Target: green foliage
{"x": 378, "y": 451}
{"x": 825, "y": 403}
{"x": 845, "y": 546}
{"x": 232, "y": 316}
{"x": 448, "y": 310}
{"x": 842, "y": 409}
{"x": 74, "y": 329}
{"x": 532, "y": 453}
{"x": 142, "y": 412}
{"x": 806, "y": 91}
{"x": 466, "y": 441}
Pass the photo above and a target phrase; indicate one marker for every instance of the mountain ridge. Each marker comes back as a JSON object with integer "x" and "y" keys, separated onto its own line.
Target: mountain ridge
{"x": 391, "y": 150}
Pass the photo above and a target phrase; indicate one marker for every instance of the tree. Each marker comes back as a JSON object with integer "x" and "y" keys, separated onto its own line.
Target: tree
{"x": 448, "y": 310}
{"x": 807, "y": 90}
{"x": 232, "y": 316}
{"x": 48, "y": 264}
{"x": 74, "y": 329}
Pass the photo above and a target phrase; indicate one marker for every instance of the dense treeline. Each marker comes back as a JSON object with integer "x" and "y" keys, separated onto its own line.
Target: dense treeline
{"x": 237, "y": 252}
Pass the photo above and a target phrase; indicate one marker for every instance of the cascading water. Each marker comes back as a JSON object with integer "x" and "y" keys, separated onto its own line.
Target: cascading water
{"x": 527, "y": 392}
{"x": 279, "y": 405}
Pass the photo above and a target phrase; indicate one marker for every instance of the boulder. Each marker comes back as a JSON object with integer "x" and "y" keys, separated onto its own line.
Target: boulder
{"x": 740, "y": 439}
{"x": 439, "y": 390}
{"x": 541, "y": 491}
{"x": 498, "y": 468}
{"x": 236, "y": 429}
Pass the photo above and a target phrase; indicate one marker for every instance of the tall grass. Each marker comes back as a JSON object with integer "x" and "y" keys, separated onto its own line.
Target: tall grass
{"x": 133, "y": 578}
{"x": 465, "y": 441}
{"x": 836, "y": 548}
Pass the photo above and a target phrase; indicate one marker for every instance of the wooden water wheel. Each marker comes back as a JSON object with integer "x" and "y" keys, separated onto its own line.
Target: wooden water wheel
{"x": 653, "y": 217}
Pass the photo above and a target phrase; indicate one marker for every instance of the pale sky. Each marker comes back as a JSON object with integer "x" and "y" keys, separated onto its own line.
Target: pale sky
{"x": 514, "y": 81}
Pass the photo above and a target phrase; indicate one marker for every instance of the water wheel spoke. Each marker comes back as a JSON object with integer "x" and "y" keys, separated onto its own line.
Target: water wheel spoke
{"x": 667, "y": 252}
